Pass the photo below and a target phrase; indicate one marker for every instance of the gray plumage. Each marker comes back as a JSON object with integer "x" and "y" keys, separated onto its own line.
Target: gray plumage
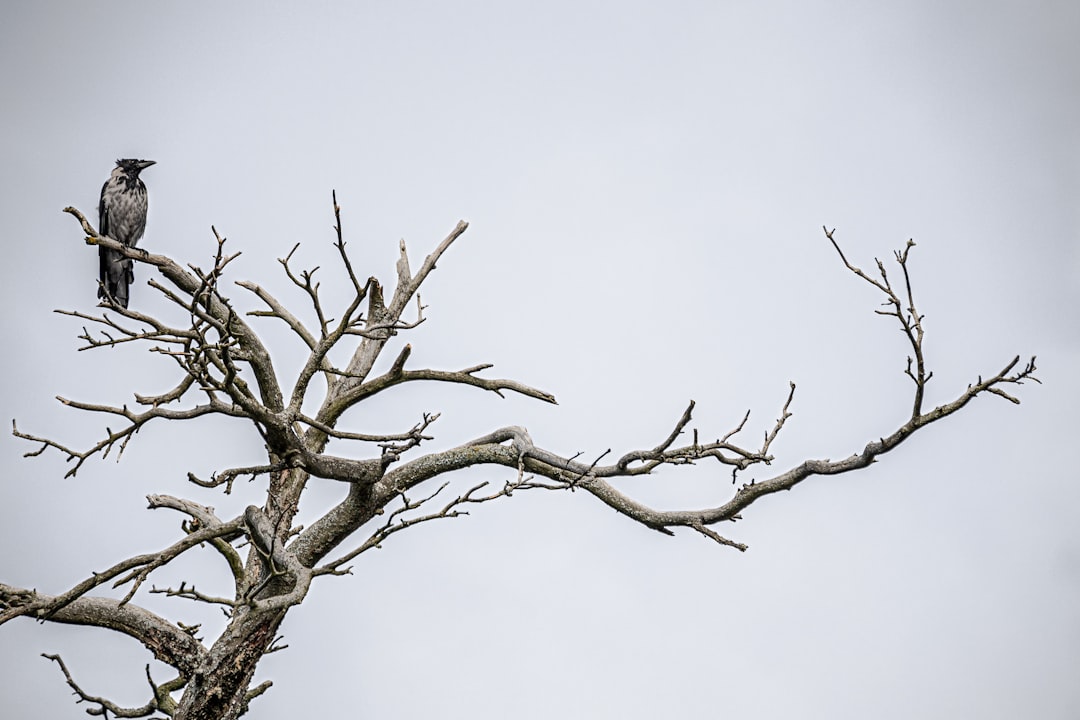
{"x": 122, "y": 217}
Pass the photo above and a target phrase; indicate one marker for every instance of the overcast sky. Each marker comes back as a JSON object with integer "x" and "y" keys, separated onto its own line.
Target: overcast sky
{"x": 646, "y": 185}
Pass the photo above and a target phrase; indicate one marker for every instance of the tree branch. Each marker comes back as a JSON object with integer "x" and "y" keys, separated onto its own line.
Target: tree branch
{"x": 104, "y": 706}
{"x": 204, "y": 517}
{"x": 398, "y": 520}
{"x": 119, "y": 438}
{"x": 397, "y": 376}
{"x": 138, "y": 568}
{"x": 168, "y": 643}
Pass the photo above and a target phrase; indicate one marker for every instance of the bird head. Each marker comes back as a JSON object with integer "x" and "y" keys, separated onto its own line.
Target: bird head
{"x": 134, "y": 167}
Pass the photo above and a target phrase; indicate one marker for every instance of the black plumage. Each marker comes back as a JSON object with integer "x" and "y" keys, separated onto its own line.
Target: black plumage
{"x": 122, "y": 217}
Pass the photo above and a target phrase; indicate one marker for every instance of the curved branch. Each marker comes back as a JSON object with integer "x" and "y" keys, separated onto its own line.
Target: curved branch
{"x": 204, "y": 517}
{"x": 167, "y": 642}
{"x": 279, "y": 311}
{"x": 397, "y": 376}
{"x": 593, "y": 478}
{"x": 123, "y": 436}
{"x": 414, "y": 434}
{"x": 228, "y": 477}
{"x": 160, "y": 700}
{"x": 160, "y": 332}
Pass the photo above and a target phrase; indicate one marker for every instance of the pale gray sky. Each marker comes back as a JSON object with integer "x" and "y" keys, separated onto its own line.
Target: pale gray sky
{"x": 646, "y": 185}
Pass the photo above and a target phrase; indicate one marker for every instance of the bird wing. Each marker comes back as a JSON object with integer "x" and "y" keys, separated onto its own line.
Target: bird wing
{"x": 103, "y": 215}
{"x": 103, "y": 254}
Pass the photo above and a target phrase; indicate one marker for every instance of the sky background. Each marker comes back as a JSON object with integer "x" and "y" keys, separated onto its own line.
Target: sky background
{"x": 646, "y": 185}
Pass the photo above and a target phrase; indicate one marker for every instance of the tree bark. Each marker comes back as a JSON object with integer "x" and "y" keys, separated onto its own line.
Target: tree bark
{"x": 218, "y": 689}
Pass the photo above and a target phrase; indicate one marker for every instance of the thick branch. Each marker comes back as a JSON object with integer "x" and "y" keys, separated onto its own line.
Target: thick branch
{"x": 167, "y": 642}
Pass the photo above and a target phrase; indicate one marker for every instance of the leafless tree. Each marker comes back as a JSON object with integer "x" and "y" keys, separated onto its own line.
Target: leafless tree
{"x": 225, "y": 369}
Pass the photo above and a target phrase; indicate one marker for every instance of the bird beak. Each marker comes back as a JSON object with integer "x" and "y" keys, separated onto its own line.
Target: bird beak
{"x": 143, "y": 164}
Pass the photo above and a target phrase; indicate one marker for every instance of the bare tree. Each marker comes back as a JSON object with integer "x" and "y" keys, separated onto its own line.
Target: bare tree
{"x": 225, "y": 369}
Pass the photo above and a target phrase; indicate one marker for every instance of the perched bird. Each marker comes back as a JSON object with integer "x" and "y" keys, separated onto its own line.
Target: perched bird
{"x": 122, "y": 217}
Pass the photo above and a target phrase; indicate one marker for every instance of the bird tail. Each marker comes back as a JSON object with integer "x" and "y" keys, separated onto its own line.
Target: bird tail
{"x": 116, "y": 275}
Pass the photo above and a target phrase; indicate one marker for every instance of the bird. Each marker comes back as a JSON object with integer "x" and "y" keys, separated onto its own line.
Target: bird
{"x": 122, "y": 217}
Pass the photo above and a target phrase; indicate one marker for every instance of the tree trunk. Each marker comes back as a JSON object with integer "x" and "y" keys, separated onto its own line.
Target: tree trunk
{"x": 218, "y": 690}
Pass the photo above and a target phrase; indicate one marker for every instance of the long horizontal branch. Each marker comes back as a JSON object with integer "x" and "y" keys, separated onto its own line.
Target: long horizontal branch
{"x": 415, "y": 433}
{"x": 397, "y": 375}
{"x": 521, "y": 452}
{"x": 468, "y": 377}
{"x": 747, "y": 494}
{"x": 120, "y": 438}
{"x": 372, "y": 489}
{"x": 160, "y": 332}
{"x": 166, "y": 641}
